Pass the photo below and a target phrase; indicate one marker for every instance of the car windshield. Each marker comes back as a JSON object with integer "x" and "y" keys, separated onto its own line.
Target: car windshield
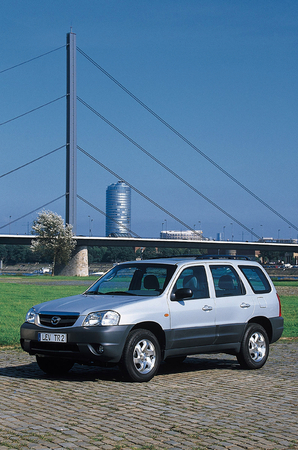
{"x": 134, "y": 279}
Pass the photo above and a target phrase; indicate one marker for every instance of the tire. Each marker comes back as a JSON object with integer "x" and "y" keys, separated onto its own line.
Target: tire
{"x": 54, "y": 366}
{"x": 141, "y": 356}
{"x": 254, "y": 348}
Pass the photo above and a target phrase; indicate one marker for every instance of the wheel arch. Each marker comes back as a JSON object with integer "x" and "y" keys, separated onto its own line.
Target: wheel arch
{"x": 156, "y": 329}
{"x": 265, "y": 323}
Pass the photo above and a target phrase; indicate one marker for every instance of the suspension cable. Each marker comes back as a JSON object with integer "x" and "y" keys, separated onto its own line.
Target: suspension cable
{"x": 211, "y": 161}
{"x": 33, "y": 160}
{"x": 32, "y": 110}
{"x": 137, "y": 190}
{"x": 31, "y": 212}
{"x": 109, "y": 217}
{"x": 164, "y": 166}
{"x": 32, "y": 59}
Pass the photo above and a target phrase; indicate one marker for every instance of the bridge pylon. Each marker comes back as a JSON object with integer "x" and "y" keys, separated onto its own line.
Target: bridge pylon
{"x": 71, "y": 133}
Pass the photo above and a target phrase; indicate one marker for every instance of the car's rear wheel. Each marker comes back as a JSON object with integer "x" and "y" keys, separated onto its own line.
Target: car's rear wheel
{"x": 254, "y": 347}
{"x": 141, "y": 356}
{"x": 54, "y": 366}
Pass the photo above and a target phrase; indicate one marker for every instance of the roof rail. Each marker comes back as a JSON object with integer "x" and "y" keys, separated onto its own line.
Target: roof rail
{"x": 244, "y": 257}
{"x": 175, "y": 256}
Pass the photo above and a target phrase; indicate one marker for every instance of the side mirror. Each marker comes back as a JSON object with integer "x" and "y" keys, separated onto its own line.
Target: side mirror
{"x": 182, "y": 293}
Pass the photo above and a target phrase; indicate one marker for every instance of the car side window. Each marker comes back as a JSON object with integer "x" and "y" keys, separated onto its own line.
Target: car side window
{"x": 226, "y": 281}
{"x": 195, "y": 279}
{"x": 256, "y": 278}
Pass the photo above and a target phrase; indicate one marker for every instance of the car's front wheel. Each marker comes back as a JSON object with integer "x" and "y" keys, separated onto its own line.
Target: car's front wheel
{"x": 54, "y": 366}
{"x": 141, "y": 356}
{"x": 254, "y": 347}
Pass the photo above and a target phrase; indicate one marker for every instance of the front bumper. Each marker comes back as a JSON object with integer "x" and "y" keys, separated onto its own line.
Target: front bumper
{"x": 84, "y": 345}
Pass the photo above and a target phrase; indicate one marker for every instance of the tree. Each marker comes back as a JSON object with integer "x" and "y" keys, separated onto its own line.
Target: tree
{"x": 117, "y": 254}
{"x": 17, "y": 253}
{"x": 3, "y": 252}
{"x": 95, "y": 254}
{"x": 152, "y": 252}
{"x": 54, "y": 239}
{"x": 266, "y": 256}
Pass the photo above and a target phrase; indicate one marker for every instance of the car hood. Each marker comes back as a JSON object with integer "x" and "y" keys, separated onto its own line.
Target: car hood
{"x": 84, "y": 304}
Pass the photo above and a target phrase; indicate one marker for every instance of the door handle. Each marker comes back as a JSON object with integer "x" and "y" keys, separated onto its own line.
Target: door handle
{"x": 245, "y": 305}
{"x": 207, "y": 308}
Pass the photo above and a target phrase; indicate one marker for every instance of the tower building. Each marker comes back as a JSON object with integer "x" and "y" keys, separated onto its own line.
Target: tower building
{"x": 118, "y": 209}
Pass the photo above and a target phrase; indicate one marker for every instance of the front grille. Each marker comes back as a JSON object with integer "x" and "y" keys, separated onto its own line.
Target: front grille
{"x": 52, "y": 346}
{"x": 66, "y": 320}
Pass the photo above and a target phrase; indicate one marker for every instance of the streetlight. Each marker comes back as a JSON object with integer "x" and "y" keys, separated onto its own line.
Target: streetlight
{"x": 90, "y": 223}
{"x": 261, "y": 231}
{"x": 162, "y": 233}
{"x": 224, "y": 230}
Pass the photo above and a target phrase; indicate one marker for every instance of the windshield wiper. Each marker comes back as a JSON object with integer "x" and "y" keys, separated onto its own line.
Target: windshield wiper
{"x": 118, "y": 293}
{"x": 92, "y": 293}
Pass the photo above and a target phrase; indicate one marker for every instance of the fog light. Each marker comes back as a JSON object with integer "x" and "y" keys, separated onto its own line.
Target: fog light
{"x": 100, "y": 349}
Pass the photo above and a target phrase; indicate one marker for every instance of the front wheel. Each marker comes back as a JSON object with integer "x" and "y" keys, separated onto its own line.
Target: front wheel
{"x": 141, "y": 356}
{"x": 54, "y": 366}
{"x": 254, "y": 348}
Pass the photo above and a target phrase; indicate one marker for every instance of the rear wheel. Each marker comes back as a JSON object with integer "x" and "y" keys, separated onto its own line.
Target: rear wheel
{"x": 54, "y": 366}
{"x": 141, "y": 356}
{"x": 254, "y": 347}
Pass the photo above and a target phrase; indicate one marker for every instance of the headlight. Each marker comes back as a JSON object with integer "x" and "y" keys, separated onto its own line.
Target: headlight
{"x": 101, "y": 318}
{"x": 30, "y": 316}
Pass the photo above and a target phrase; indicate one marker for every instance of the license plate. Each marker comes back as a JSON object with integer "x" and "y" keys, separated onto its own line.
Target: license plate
{"x": 52, "y": 337}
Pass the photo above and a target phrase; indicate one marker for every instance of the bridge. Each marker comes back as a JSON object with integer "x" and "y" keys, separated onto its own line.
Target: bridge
{"x": 79, "y": 263}
{"x": 214, "y": 246}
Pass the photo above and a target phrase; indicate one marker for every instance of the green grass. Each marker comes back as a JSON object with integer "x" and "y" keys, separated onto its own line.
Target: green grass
{"x": 285, "y": 283}
{"x": 289, "y": 310}
{"x": 39, "y": 279}
{"x": 16, "y": 299}
{"x": 17, "y": 296}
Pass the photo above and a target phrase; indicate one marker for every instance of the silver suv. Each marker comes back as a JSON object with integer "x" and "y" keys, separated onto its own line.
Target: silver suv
{"x": 143, "y": 312}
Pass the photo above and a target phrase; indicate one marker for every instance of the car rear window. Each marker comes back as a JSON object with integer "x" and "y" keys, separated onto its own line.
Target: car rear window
{"x": 256, "y": 278}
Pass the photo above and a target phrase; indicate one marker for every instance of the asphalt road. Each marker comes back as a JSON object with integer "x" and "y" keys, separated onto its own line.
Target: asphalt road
{"x": 205, "y": 403}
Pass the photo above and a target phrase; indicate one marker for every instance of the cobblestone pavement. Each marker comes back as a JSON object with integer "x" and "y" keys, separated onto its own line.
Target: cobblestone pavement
{"x": 205, "y": 403}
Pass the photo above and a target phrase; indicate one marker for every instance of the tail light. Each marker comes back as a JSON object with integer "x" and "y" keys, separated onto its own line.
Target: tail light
{"x": 279, "y": 304}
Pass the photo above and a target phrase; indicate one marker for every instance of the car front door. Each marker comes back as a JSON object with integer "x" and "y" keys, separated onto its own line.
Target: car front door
{"x": 192, "y": 319}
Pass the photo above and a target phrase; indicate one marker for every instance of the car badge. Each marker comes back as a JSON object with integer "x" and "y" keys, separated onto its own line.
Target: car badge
{"x": 55, "y": 320}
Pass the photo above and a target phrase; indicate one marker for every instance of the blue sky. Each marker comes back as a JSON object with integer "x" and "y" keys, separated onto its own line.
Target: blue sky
{"x": 223, "y": 73}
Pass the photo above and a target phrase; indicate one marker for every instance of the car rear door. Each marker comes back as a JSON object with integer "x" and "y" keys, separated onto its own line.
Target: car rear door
{"x": 234, "y": 306}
